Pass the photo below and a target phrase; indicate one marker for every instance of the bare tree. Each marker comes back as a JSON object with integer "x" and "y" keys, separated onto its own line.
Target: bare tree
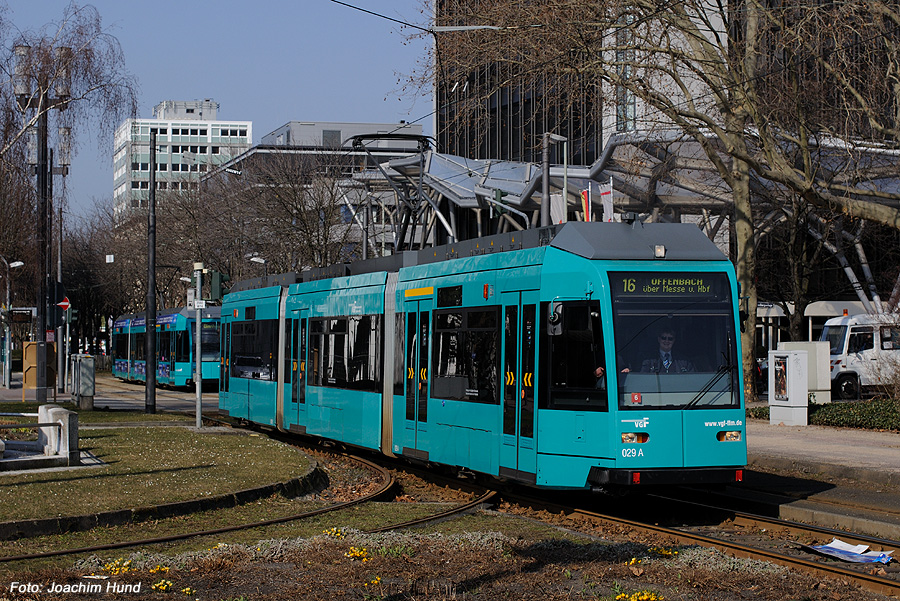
{"x": 300, "y": 210}
{"x": 72, "y": 65}
{"x": 708, "y": 70}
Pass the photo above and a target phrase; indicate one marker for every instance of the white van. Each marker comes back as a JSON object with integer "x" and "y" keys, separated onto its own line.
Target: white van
{"x": 865, "y": 352}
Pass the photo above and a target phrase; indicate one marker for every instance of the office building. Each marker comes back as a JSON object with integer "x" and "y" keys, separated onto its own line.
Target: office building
{"x": 190, "y": 141}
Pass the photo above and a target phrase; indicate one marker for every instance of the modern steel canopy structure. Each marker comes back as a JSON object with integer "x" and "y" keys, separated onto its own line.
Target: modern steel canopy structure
{"x": 661, "y": 176}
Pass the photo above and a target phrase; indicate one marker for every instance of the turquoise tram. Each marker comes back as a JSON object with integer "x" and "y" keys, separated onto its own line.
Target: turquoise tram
{"x": 579, "y": 356}
{"x": 175, "y": 346}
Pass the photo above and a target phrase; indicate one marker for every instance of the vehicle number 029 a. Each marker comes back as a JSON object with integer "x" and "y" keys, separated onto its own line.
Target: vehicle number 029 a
{"x": 632, "y": 452}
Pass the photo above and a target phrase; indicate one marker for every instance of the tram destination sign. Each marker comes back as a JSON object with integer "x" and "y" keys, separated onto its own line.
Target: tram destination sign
{"x": 651, "y": 285}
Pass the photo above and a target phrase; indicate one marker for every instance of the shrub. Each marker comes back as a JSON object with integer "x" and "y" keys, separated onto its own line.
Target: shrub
{"x": 873, "y": 414}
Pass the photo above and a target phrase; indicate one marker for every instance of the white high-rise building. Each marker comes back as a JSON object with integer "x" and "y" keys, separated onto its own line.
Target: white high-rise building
{"x": 189, "y": 142}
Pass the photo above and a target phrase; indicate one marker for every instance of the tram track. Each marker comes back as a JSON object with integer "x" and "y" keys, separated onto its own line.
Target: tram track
{"x": 761, "y": 545}
{"x": 385, "y": 490}
{"x": 737, "y": 534}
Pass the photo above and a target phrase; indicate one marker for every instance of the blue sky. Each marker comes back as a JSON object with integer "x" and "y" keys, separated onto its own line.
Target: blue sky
{"x": 269, "y": 62}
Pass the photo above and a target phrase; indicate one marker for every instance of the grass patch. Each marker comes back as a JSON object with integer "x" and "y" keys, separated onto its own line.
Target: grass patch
{"x": 149, "y": 466}
{"x": 871, "y": 414}
{"x": 371, "y": 516}
{"x": 98, "y": 416}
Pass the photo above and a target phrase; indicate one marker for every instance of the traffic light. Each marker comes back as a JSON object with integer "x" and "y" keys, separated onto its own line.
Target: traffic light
{"x": 217, "y": 285}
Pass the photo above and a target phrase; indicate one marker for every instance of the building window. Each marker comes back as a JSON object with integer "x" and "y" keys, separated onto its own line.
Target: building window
{"x": 193, "y": 132}
{"x": 203, "y": 132}
{"x": 331, "y": 138}
{"x": 162, "y": 166}
{"x": 203, "y": 149}
{"x": 189, "y": 111}
{"x": 214, "y": 149}
{"x": 135, "y": 185}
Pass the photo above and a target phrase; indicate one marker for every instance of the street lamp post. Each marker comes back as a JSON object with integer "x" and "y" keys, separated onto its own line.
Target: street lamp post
{"x": 545, "y": 164}
{"x": 7, "y": 332}
{"x": 261, "y": 261}
{"x": 41, "y": 101}
{"x": 62, "y": 342}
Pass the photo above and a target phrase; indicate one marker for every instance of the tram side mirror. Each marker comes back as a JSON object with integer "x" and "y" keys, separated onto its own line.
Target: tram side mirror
{"x": 554, "y": 319}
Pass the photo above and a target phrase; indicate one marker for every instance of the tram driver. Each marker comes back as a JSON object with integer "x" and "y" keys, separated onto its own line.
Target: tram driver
{"x": 666, "y": 361}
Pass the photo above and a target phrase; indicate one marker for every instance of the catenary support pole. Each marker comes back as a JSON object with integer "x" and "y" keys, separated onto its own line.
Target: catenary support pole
{"x": 150, "y": 336}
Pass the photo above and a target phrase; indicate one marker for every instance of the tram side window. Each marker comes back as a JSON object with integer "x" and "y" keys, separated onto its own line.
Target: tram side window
{"x": 120, "y": 342}
{"x": 571, "y": 350}
{"x": 399, "y": 345}
{"x": 364, "y": 353}
{"x": 209, "y": 342}
{"x": 253, "y": 349}
{"x": 182, "y": 346}
{"x": 465, "y": 357}
{"x": 163, "y": 343}
{"x": 140, "y": 347}
{"x": 346, "y": 352}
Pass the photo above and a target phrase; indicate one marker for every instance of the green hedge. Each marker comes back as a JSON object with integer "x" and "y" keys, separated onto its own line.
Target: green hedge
{"x": 874, "y": 414}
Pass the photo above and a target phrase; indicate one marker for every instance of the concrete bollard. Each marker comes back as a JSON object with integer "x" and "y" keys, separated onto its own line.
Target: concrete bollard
{"x": 68, "y": 434}
{"x": 48, "y": 437}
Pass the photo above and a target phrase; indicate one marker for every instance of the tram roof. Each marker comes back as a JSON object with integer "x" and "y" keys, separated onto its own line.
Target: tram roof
{"x": 636, "y": 241}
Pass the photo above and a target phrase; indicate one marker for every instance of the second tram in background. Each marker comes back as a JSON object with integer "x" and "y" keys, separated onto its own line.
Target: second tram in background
{"x": 175, "y": 346}
{"x": 580, "y": 356}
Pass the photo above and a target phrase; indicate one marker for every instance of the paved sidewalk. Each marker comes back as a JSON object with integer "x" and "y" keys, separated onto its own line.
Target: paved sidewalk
{"x": 837, "y": 452}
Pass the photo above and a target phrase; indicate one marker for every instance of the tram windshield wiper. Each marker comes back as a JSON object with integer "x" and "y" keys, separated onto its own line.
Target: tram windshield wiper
{"x": 727, "y": 368}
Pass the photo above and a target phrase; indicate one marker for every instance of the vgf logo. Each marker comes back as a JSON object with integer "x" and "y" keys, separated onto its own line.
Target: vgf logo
{"x": 643, "y": 422}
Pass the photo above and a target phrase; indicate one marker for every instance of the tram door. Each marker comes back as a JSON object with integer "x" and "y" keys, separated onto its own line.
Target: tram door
{"x": 518, "y": 454}
{"x": 418, "y": 314}
{"x": 295, "y": 418}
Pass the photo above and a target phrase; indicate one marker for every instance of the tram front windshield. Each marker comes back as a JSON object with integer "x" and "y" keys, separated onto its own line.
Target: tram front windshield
{"x": 676, "y": 345}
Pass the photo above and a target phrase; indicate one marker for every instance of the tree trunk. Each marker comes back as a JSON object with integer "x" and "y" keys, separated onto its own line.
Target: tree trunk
{"x": 746, "y": 267}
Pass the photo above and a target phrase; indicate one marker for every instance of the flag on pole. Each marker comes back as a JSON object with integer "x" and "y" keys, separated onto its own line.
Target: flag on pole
{"x": 586, "y": 203}
{"x": 606, "y": 199}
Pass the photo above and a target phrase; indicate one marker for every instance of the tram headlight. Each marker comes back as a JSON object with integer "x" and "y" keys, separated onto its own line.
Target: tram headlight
{"x": 634, "y": 437}
{"x": 729, "y": 436}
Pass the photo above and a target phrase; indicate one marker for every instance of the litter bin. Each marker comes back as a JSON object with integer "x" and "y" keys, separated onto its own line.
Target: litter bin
{"x": 83, "y": 381}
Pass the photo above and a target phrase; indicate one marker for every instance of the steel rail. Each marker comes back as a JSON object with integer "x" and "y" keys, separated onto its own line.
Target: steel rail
{"x": 485, "y": 498}
{"x": 869, "y": 581}
{"x": 886, "y": 544}
{"x": 388, "y": 484}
